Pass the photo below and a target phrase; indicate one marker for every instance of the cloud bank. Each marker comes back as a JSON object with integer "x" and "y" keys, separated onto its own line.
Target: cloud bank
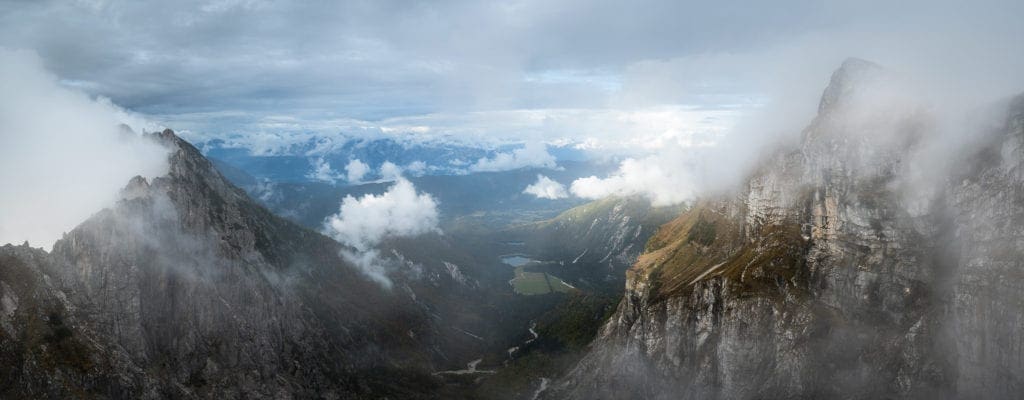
{"x": 641, "y": 80}
{"x": 547, "y": 188}
{"x": 362, "y": 223}
{"x": 63, "y": 155}
{"x": 665, "y": 179}
{"x": 532, "y": 154}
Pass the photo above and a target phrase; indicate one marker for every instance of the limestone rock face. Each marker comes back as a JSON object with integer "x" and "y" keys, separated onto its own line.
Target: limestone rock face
{"x": 830, "y": 275}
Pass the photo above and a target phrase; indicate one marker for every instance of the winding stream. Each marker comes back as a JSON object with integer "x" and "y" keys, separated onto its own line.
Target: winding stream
{"x": 543, "y": 386}
{"x": 470, "y": 369}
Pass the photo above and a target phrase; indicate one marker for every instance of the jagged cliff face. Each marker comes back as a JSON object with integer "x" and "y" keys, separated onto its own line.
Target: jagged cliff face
{"x": 187, "y": 288}
{"x": 45, "y": 352}
{"x": 828, "y": 277}
{"x": 987, "y": 301}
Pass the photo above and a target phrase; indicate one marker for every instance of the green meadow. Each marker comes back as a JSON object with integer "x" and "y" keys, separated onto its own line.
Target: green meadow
{"x": 531, "y": 283}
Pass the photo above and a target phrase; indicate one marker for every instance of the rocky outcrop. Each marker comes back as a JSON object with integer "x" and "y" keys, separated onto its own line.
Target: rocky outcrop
{"x": 827, "y": 277}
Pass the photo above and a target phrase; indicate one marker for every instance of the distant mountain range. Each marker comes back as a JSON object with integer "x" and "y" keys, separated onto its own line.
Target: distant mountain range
{"x": 294, "y": 163}
{"x": 490, "y": 199}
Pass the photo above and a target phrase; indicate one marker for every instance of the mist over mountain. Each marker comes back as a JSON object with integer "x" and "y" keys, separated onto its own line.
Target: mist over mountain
{"x": 511, "y": 200}
{"x": 65, "y": 154}
{"x": 829, "y": 274}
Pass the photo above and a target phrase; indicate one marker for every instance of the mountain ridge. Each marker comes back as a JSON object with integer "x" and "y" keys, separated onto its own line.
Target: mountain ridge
{"x": 201, "y": 292}
{"x": 819, "y": 279}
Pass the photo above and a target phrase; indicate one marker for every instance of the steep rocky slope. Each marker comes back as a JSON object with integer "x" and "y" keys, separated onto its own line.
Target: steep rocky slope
{"x": 833, "y": 274}
{"x": 987, "y": 288}
{"x": 187, "y": 288}
{"x": 45, "y": 352}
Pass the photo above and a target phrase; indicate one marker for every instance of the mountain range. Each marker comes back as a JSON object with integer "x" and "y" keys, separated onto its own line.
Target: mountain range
{"x": 860, "y": 262}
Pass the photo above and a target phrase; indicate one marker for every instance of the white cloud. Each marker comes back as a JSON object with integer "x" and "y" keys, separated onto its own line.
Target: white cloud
{"x": 547, "y": 188}
{"x": 62, "y": 155}
{"x": 364, "y": 222}
{"x": 390, "y": 171}
{"x": 531, "y": 155}
{"x": 417, "y": 168}
{"x": 323, "y": 172}
{"x": 356, "y": 170}
{"x": 664, "y": 179}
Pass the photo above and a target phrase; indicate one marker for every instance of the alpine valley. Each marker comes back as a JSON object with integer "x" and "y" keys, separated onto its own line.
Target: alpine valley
{"x": 827, "y": 274}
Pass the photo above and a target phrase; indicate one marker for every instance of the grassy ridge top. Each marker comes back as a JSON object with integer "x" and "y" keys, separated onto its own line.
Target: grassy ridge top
{"x": 708, "y": 241}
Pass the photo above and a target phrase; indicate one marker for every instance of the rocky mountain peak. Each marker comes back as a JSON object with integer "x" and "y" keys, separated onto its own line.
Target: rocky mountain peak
{"x": 205, "y": 202}
{"x": 853, "y": 73}
{"x": 187, "y": 161}
{"x": 187, "y": 288}
{"x": 868, "y": 119}
{"x": 819, "y": 281}
{"x": 168, "y": 135}
{"x": 137, "y": 187}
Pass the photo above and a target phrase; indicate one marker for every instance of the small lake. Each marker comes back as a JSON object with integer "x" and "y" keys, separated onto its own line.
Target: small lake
{"x": 516, "y": 260}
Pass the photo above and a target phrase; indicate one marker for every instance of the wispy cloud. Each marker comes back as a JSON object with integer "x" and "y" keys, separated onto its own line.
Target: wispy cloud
{"x": 547, "y": 188}
{"x": 530, "y": 155}
{"x": 356, "y": 170}
{"x": 362, "y": 223}
{"x": 322, "y": 171}
{"x": 63, "y": 155}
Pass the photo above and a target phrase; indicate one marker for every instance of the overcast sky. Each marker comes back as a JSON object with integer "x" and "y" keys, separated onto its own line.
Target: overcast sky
{"x": 638, "y": 71}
